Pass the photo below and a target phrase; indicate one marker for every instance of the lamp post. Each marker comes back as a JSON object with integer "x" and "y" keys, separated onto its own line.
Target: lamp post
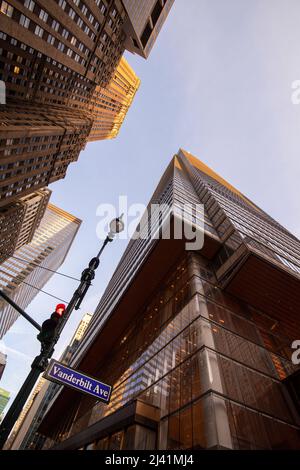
{"x": 41, "y": 361}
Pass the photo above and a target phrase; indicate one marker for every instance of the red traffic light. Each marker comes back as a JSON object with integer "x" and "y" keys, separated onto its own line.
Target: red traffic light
{"x": 60, "y": 309}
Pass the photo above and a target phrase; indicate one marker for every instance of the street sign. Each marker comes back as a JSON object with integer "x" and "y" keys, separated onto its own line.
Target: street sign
{"x": 64, "y": 375}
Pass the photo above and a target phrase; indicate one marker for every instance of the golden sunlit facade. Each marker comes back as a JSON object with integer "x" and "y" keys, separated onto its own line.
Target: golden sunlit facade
{"x": 110, "y": 105}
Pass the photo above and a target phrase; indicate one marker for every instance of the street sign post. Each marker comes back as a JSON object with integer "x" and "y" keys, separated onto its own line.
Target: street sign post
{"x": 64, "y": 375}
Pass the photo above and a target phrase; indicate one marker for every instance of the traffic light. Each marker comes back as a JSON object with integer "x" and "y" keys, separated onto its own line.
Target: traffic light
{"x": 49, "y": 326}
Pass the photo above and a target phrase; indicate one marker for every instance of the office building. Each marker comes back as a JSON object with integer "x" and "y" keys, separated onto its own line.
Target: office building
{"x": 36, "y": 147}
{"x": 200, "y": 357}
{"x": 143, "y": 22}
{"x": 32, "y": 265}
{"x": 19, "y": 220}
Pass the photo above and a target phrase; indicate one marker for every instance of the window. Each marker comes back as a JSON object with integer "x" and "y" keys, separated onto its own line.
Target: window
{"x": 79, "y": 22}
{"x": 43, "y": 15}
{"x": 24, "y": 21}
{"x": 73, "y": 40}
{"x": 69, "y": 52}
{"x": 6, "y": 9}
{"x": 76, "y": 2}
{"x": 60, "y": 46}
{"x": 38, "y": 31}
{"x": 30, "y": 4}
{"x": 84, "y": 9}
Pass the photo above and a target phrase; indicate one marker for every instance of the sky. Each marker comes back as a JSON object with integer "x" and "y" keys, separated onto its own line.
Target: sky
{"x": 218, "y": 83}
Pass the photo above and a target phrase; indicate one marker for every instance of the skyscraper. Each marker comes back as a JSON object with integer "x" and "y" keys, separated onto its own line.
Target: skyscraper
{"x": 36, "y": 146}
{"x": 109, "y": 105}
{"x": 143, "y": 22}
{"x": 19, "y": 220}
{"x": 32, "y": 265}
{"x": 57, "y": 52}
{"x": 199, "y": 358}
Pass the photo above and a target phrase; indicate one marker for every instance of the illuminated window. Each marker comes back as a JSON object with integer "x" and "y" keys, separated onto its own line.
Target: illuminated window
{"x": 16, "y": 69}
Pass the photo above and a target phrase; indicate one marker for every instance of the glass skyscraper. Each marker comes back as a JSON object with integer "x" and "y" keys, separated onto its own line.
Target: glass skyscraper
{"x": 197, "y": 344}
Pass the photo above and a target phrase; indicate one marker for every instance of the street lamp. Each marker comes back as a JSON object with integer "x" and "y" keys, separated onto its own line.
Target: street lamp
{"x": 41, "y": 361}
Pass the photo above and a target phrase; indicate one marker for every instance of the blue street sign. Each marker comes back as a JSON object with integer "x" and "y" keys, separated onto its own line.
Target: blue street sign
{"x": 64, "y": 375}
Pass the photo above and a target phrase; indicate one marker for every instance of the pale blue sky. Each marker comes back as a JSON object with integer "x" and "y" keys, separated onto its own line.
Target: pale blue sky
{"x": 217, "y": 83}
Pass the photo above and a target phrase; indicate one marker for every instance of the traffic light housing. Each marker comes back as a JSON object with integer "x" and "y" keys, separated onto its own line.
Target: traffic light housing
{"x": 49, "y": 326}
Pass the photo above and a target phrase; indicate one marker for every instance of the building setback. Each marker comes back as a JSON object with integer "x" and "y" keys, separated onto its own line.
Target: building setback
{"x": 32, "y": 265}
{"x": 201, "y": 357}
